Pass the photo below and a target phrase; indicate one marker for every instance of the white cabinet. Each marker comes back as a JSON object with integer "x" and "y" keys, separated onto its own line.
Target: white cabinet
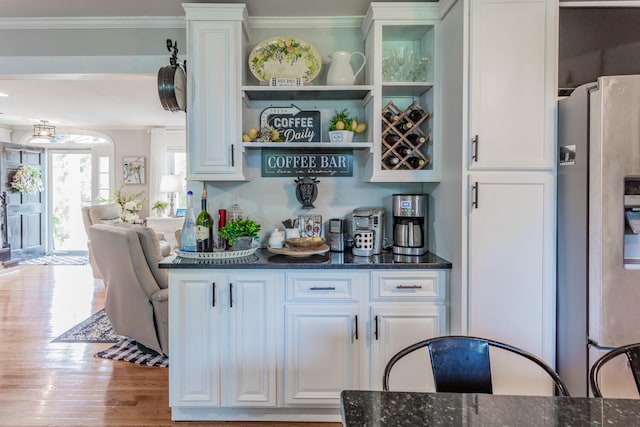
{"x": 402, "y": 44}
{"x": 224, "y": 329}
{"x": 512, "y": 83}
{"x": 406, "y": 307}
{"x": 324, "y": 336}
{"x": 511, "y": 271}
{"x": 215, "y": 35}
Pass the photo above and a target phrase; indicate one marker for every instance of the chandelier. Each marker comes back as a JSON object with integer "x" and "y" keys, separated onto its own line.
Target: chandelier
{"x": 44, "y": 130}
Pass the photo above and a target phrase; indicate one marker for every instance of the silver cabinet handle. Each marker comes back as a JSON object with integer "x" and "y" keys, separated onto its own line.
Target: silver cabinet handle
{"x": 233, "y": 160}
{"x": 322, "y": 288}
{"x": 474, "y": 147}
{"x": 474, "y": 195}
{"x": 409, "y": 287}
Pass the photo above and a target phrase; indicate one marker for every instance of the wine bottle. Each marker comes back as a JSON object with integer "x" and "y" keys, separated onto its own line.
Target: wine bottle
{"x": 404, "y": 150}
{"x": 222, "y": 221}
{"x": 390, "y": 117}
{"x": 391, "y": 161}
{"x": 416, "y": 114}
{"x": 391, "y": 138}
{"x": 403, "y": 125}
{"x": 204, "y": 225}
{"x": 416, "y": 162}
{"x": 188, "y": 233}
{"x": 416, "y": 139}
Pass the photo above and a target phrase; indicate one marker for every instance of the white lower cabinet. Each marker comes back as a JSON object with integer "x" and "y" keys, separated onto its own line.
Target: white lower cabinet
{"x": 273, "y": 345}
{"x": 324, "y": 332}
{"x": 224, "y": 328}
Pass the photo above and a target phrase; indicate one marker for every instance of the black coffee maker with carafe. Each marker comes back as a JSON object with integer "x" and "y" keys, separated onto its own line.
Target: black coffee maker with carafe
{"x": 409, "y": 228}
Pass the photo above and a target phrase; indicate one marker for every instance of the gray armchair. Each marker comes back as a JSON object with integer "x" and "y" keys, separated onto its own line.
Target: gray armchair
{"x": 109, "y": 213}
{"x": 137, "y": 294}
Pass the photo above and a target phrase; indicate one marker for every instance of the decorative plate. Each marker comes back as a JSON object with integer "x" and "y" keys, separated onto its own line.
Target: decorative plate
{"x": 285, "y": 57}
{"x": 217, "y": 255}
{"x": 299, "y": 254}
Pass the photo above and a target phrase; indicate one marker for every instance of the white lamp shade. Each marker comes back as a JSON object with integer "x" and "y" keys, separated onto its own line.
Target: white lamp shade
{"x": 171, "y": 184}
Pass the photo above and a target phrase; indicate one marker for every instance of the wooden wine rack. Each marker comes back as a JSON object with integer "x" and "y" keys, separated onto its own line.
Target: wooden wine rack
{"x": 393, "y": 127}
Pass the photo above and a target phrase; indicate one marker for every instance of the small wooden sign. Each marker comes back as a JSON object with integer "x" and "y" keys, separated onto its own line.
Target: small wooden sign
{"x": 284, "y": 163}
{"x": 294, "y": 124}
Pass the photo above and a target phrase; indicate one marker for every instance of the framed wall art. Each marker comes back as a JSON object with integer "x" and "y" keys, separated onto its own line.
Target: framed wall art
{"x": 133, "y": 170}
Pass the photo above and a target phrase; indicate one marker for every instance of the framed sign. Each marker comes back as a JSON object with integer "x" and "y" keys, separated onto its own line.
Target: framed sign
{"x": 284, "y": 163}
{"x": 294, "y": 124}
{"x": 133, "y": 170}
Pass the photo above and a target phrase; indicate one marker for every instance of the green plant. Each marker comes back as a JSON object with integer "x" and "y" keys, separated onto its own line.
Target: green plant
{"x": 159, "y": 205}
{"x": 342, "y": 120}
{"x": 27, "y": 180}
{"x": 239, "y": 228}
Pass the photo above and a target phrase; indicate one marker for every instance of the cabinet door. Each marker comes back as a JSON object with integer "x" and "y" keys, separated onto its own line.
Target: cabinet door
{"x": 512, "y": 274}
{"x": 322, "y": 351}
{"x": 512, "y": 83}
{"x": 213, "y": 111}
{"x": 396, "y": 326}
{"x": 254, "y": 305}
{"x": 193, "y": 339}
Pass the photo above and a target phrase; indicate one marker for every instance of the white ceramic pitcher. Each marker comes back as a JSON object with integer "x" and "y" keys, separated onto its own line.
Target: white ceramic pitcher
{"x": 340, "y": 71}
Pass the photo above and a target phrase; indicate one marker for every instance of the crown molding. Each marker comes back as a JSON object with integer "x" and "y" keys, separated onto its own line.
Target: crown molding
{"x": 306, "y": 21}
{"x": 92, "y": 22}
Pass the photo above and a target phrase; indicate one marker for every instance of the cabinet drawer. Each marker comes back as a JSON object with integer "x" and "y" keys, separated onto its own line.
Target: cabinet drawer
{"x": 325, "y": 285}
{"x": 403, "y": 285}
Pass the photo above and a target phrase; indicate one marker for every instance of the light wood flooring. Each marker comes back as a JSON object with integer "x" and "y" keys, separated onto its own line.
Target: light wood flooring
{"x": 62, "y": 384}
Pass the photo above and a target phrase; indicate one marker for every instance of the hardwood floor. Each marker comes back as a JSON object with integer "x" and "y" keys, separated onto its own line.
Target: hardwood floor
{"x": 62, "y": 384}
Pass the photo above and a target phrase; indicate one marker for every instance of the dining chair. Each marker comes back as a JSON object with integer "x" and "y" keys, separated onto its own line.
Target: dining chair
{"x": 632, "y": 351}
{"x": 461, "y": 364}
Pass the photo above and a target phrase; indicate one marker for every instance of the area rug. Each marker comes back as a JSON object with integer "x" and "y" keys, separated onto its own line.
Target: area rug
{"x": 131, "y": 351}
{"x": 57, "y": 260}
{"x": 96, "y": 328}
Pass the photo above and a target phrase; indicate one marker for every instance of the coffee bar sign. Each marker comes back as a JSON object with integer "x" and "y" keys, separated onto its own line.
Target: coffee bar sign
{"x": 283, "y": 163}
{"x": 294, "y": 124}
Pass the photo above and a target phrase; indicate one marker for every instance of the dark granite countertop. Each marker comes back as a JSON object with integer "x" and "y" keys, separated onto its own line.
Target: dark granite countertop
{"x": 391, "y": 409}
{"x": 263, "y": 259}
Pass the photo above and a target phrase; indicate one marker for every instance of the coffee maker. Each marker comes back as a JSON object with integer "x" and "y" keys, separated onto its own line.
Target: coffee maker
{"x": 367, "y": 225}
{"x": 409, "y": 228}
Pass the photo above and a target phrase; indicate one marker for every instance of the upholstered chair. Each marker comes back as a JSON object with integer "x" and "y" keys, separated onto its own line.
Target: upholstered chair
{"x": 110, "y": 214}
{"x": 137, "y": 294}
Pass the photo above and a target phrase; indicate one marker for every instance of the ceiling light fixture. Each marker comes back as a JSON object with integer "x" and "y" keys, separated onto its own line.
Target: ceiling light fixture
{"x": 44, "y": 130}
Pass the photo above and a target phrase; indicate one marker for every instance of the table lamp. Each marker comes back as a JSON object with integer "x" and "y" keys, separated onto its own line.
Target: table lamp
{"x": 171, "y": 184}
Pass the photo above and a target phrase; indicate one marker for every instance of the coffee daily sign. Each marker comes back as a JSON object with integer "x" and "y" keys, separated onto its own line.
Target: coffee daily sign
{"x": 294, "y": 124}
{"x": 283, "y": 163}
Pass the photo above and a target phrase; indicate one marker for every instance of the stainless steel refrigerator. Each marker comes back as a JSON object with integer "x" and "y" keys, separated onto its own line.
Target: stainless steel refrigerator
{"x": 598, "y": 250}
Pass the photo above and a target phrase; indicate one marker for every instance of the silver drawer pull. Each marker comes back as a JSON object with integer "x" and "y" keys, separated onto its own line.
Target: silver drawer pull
{"x": 320, "y": 288}
{"x": 409, "y": 287}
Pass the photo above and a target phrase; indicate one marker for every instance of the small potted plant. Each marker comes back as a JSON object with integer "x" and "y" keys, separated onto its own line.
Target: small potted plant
{"x": 240, "y": 233}
{"x": 342, "y": 126}
{"x": 160, "y": 207}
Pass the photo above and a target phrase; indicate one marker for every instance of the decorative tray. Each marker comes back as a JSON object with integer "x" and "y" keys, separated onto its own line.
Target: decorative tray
{"x": 285, "y": 57}
{"x": 299, "y": 253}
{"x": 217, "y": 255}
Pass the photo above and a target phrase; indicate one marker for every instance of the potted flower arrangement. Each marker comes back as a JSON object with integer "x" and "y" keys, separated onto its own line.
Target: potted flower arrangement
{"x": 240, "y": 233}
{"x": 131, "y": 204}
{"x": 27, "y": 180}
{"x": 160, "y": 207}
{"x": 342, "y": 126}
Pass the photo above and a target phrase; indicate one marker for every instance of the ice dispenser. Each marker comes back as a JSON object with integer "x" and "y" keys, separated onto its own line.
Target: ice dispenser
{"x": 632, "y": 220}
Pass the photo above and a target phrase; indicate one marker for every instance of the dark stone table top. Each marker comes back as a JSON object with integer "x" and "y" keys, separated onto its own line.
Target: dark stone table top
{"x": 391, "y": 409}
{"x": 263, "y": 259}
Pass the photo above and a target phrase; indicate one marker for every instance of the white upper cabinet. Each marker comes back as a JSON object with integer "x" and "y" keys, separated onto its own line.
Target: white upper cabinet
{"x": 215, "y": 35}
{"x": 512, "y": 84}
{"x": 402, "y": 44}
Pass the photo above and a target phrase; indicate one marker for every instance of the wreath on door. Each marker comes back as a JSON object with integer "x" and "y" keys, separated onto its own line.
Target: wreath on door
{"x": 27, "y": 180}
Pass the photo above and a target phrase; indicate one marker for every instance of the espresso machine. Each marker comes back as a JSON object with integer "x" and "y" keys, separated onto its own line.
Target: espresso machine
{"x": 409, "y": 228}
{"x": 367, "y": 225}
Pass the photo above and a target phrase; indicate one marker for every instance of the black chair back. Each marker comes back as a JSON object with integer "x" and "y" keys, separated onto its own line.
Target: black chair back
{"x": 631, "y": 351}
{"x": 461, "y": 364}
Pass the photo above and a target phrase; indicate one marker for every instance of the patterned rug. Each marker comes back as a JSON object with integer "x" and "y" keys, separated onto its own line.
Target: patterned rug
{"x": 96, "y": 328}
{"x": 131, "y": 351}
{"x": 57, "y": 260}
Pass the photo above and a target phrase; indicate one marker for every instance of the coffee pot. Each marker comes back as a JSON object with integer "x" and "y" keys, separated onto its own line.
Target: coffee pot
{"x": 340, "y": 71}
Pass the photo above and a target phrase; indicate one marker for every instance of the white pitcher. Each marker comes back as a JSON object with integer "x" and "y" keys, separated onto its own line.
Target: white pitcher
{"x": 340, "y": 71}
